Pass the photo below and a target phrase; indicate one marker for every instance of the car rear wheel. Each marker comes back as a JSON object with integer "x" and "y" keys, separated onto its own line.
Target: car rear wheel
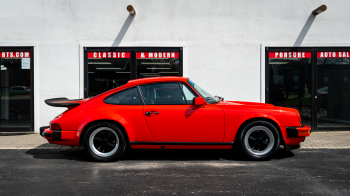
{"x": 259, "y": 140}
{"x": 104, "y": 142}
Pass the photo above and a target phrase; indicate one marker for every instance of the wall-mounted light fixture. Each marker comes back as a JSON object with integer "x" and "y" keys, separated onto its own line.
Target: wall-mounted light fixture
{"x": 131, "y": 10}
{"x": 319, "y": 10}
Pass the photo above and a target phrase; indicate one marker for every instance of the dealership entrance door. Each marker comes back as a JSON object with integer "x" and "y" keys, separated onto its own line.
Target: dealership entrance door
{"x": 16, "y": 90}
{"x": 315, "y": 81}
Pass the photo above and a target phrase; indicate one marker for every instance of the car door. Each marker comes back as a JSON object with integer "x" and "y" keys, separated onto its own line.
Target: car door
{"x": 172, "y": 117}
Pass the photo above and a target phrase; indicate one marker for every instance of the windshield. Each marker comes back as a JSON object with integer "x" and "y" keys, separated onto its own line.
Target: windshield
{"x": 208, "y": 97}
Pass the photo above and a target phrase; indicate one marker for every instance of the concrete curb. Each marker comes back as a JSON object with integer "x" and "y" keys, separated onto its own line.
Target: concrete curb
{"x": 27, "y": 140}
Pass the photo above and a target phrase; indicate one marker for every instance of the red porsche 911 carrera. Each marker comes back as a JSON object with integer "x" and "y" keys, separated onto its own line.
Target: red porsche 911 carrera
{"x": 172, "y": 113}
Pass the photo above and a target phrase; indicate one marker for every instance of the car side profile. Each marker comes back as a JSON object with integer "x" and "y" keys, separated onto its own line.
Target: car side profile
{"x": 172, "y": 113}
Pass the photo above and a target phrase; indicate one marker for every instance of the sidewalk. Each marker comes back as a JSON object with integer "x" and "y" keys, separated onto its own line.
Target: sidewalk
{"x": 25, "y": 140}
{"x": 317, "y": 140}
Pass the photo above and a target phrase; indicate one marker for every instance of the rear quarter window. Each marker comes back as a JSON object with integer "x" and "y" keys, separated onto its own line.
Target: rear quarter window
{"x": 126, "y": 97}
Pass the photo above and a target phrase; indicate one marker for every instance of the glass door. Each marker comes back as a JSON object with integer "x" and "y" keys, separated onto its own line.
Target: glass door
{"x": 289, "y": 80}
{"x": 333, "y": 88}
{"x": 16, "y": 88}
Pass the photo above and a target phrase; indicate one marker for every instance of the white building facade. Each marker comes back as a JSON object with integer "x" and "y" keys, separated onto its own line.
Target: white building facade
{"x": 262, "y": 51}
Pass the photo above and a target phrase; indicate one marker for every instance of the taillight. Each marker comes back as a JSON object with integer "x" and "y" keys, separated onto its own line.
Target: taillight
{"x": 55, "y": 126}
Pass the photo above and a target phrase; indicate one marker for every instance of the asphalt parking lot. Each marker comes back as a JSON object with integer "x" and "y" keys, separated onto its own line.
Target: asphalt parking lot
{"x": 44, "y": 170}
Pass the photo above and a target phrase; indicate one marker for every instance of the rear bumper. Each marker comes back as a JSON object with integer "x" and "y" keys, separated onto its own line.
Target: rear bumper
{"x": 50, "y": 134}
{"x": 42, "y": 130}
{"x": 70, "y": 138}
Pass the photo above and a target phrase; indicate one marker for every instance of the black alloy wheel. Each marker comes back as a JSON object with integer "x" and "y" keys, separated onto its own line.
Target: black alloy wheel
{"x": 259, "y": 140}
{"x": 104, "y": 142}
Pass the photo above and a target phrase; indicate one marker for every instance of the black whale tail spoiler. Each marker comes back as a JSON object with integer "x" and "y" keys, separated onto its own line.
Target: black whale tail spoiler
{"x": 63, "y": 102}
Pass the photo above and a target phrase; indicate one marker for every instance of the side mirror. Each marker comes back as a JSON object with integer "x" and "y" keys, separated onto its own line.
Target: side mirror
{"x": 199, "y": 101}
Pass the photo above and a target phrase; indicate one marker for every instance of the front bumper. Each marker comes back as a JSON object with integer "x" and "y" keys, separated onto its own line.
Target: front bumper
{"x": 302, "y": 131}
{"x": 293, "y": 136}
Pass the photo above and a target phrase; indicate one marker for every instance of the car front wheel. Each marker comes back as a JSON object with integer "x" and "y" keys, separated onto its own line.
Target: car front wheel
{"x": 104, "y": 142}
{"x": 259, "y": 140}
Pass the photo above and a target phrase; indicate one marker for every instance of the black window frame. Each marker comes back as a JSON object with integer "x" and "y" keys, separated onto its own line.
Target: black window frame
{"x": 32, "y": 56}
{"x": 314, "y": 79}
{"x": 133, "y": 60}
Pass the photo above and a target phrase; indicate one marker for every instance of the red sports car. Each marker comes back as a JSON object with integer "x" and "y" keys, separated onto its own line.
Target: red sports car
{"x": 172, "y": 113}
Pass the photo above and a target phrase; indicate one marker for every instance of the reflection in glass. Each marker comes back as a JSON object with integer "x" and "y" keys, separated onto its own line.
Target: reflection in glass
{"x": 15, "y": 94}
{"x": 333, "y": 92}
{"x": 163, "y": 94}
{"x": 106, "y": 73}
{"x": 127, "y": 97}
{"x": 157, "y": 66}
{"x": 290, "y": 85}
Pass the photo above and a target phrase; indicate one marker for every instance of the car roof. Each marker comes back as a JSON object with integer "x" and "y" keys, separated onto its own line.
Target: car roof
{"x": 141, "y": 81}
{"x": 156, "y": 79}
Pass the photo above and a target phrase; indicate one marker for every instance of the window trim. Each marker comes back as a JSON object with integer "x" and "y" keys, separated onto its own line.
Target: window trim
{"x": 141, "y": 95}
{"x": 104, "y": 100}
{"x": 183, "y": 94}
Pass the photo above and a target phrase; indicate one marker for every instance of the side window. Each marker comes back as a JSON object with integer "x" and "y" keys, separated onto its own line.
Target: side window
{"x": 163, "y": 94}
{"x": 127, "y": 97}
{"x": 189, "y": 94}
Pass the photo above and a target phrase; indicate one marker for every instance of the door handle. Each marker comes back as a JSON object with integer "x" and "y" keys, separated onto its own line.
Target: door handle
{"x": 152, "y": 112}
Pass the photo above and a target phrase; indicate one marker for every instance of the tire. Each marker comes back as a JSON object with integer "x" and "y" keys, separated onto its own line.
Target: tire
{"x": 104, "y": 142}
{"x": 259, "y": 140}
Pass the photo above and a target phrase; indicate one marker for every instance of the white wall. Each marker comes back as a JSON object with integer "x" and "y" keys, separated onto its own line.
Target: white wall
{"x": 223, "y": 38}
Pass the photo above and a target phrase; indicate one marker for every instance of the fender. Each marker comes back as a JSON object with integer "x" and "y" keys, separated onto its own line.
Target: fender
{"x": 259, "y": 116}
{"x": 233, "y": 132}
{"x": 131, "y": 118}
{"x": 236, "y": 116}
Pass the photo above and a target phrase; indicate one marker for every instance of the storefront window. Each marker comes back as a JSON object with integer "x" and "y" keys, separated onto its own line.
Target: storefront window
{"x": 107, "y": 70}
{"x": 151, "y": 64}
{"x": 290, "y": 82}
{"x": 15, "y": 88}
{"x": 333, "y": 91}
{"x": 314, "y": 81}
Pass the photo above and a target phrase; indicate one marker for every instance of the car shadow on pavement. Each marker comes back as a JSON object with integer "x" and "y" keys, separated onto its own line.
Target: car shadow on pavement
{"x": 192, "y": 155}
{"x": 46, "y": 151}
{"x": 51, "y": 151}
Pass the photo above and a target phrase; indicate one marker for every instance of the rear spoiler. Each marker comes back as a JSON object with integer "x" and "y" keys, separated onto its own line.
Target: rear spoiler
{"x": 63, "y": 102}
